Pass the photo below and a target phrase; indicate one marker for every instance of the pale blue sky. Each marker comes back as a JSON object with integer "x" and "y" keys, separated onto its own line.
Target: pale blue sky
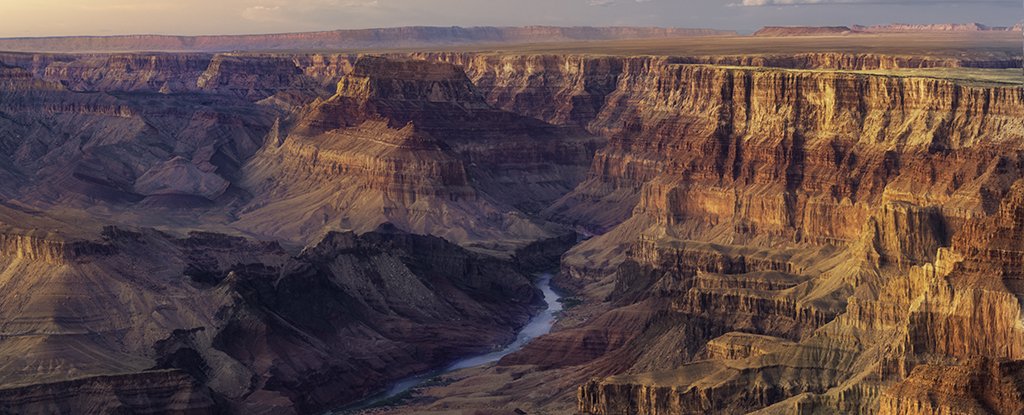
{"x": 105, "y": 17}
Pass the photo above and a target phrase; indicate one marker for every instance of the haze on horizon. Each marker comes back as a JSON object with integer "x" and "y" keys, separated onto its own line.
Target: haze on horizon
{"x": 192, "y": 17}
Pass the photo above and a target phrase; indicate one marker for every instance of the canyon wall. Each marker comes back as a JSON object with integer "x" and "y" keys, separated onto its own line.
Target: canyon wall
{"x": 784, "y": 203}
{"x": 212, "y": 322}
{"x": 413, "y": 143}
{"x": 773, "y": 233}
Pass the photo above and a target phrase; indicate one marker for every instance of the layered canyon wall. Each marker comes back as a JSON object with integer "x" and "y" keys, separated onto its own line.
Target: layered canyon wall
{"x": 843, "y": 213}
{"x": 774, "y": 233}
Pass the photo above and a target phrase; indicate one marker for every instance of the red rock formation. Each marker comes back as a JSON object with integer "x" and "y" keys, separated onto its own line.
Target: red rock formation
{"x": 835, "y": 179}
{"x": 940, "y": 27}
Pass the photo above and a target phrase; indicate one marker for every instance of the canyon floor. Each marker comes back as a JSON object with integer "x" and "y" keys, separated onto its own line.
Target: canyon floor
{"x": 770, "y": 225}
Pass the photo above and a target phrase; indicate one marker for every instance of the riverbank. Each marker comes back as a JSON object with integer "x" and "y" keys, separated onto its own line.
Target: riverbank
{"x": 539, "y": 325}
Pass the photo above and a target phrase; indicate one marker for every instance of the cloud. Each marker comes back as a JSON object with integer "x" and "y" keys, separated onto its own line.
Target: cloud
{"x": 602, "y": 3}
{"x": 299, "y": 10}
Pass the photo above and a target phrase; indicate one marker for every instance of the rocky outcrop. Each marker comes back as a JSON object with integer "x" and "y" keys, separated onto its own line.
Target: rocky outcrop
{"x": 171, "y": 392}
{"x": 97, "y": 129}
{"x": 886, "y": 28}
{"x": 180, "y": 177}
{"x": 125, "y": 72}
{"x": 252, "y": 77}
{"x": 939, "y": 27}
{"x": 802, "y": 31}
{"x": 413, "y": 143}
{"x": 890, "y": 264}
{"x": 50, "y": 250}
{"x": 562, "y": 90}
{"x": 737, "y": 345}
{"x": 212, "y": 322}
{"x": 834, "y": 116}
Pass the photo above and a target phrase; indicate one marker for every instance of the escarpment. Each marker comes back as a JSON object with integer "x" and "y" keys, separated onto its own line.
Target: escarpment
{"x": 789, "y": 136}
{"x": 413, "y": 143}
{"x": 95, "y": 132}
{"x": 571, "y": 89}
{"x": 210, "y": 321}
{"x": 863, "y": 199}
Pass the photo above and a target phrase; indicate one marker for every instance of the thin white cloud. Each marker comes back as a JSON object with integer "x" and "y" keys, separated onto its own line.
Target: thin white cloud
{"x": 299, "y": 10}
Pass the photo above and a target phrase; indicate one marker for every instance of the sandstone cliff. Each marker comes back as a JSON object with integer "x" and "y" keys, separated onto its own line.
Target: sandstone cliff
{"x": 810, "y": 207}
{"x": 939, "y": 27}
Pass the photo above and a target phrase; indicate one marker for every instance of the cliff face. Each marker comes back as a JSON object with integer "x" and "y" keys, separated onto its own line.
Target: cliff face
{"x": 251, "y": 77}
{"x": 572, "y": 89}
{"x": 834, "y": 143}
{"x": 126, "y": 128}
{"x": 887, "y": 28}
{"x": 940, "y": 27}
{"x": 413, "y": 143}
{"x": 159, "y": 391}
{"x": 212, "y": 322}
{"x": 842, "y": 213}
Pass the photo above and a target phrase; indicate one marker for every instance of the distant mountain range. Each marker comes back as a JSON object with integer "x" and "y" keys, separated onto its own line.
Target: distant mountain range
{"x": 397, "y": 37}
{"x": 889, "y": 28}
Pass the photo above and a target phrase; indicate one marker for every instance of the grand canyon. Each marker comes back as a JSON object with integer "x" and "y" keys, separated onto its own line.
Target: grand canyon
{"x": 805, "y": 220}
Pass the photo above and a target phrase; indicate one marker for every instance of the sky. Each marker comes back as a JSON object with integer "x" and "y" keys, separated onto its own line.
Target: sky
{"x": 192, "y": 17}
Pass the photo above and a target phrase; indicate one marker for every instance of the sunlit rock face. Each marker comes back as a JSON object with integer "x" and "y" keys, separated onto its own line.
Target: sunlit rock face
{"x": 842, "y": 213}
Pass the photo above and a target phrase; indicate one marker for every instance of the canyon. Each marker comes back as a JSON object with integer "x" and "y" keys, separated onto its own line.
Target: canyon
{"x": 807, "y": 230}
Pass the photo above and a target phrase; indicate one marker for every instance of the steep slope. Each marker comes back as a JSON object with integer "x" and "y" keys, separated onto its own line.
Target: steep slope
{"x": 771, "y": 241}
{"x": 794, "y": 205}
{"x": 412, "y": 143}
{"x": 117, "y": 141}
{"x": 223, "y": 322}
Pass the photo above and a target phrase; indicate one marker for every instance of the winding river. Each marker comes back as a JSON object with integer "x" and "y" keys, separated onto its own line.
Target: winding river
{"x": 539, "y": 325}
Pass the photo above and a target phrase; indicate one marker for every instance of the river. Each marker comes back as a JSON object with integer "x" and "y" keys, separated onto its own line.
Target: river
{"x": 538, "y": 326}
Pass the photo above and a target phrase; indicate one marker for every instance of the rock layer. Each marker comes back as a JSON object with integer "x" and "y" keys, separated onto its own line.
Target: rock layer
{"x": 414, "y": 144}
{"x": 212, "y": 320}
{"x": 811, "y": 206}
